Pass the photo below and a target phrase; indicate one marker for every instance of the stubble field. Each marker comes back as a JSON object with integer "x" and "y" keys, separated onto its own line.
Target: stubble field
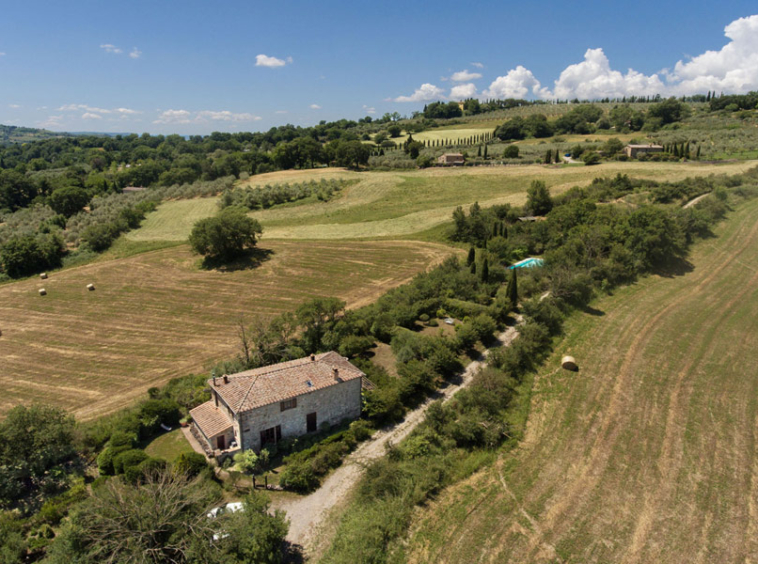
{"x": 156, "y": 315}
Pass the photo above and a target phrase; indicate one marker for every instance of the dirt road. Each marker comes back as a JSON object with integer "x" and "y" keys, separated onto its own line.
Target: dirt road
{"x": 307, "y": 514}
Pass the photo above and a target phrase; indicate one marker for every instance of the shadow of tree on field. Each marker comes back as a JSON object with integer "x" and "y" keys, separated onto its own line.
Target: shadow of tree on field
{"x": 292, "y": 553}
{"x": 592, "y": 311}
{"x": 252, "y": 258}
{"x": 674, "y": 267}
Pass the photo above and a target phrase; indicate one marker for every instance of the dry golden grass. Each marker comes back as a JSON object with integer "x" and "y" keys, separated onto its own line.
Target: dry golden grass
{"x": 648, "y": 453}
{"x": 155, "y": 316}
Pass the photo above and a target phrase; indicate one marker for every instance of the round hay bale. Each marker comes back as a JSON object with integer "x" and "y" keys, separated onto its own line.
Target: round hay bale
{"x": 569, "y": 363}
{"x": 43, "y": 276}
{"x": 91, "y": 287}
{"x": 42, "y": 292}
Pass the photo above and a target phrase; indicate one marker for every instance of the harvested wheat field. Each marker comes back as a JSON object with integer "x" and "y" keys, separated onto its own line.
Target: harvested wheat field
{"x": 155, "y": 316}
{"x": 649, "y": 453}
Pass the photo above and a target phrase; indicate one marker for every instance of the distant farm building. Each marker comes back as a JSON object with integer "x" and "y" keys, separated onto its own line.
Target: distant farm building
{"x": 255, "y": 408}
{"x": 634, "y": 151}
{"x": 451, "y": 159}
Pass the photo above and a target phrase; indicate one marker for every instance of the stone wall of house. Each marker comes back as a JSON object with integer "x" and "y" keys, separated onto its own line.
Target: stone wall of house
{"x": 331, "y": 405}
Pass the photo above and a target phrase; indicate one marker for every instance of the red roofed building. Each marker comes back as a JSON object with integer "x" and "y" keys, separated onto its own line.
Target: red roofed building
{"x": 262, "y": 406}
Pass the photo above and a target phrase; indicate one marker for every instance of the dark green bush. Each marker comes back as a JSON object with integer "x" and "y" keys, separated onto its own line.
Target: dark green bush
{"x": 127, "y": 459}
{"x": 190, "y": 463}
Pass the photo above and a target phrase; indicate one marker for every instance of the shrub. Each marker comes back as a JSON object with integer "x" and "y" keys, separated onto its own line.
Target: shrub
{"x": 190, "y": 463}
{"x": 511, "y": 152}
{"x": 299, "y": 476}
{"x": 128, "y": 459}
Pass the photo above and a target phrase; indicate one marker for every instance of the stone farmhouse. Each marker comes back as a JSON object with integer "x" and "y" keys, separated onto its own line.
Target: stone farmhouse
{"x": 451, "y": 159}
{"x": 634, "y": 151}
{"x": 265, "y": 405}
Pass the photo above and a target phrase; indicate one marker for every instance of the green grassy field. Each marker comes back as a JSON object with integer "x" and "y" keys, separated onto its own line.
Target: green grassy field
{"x": 156, "y": 315}
{"x": 392, "y": 204}
{"x": 168, "y": 446}
{"x": 648, "y": 453}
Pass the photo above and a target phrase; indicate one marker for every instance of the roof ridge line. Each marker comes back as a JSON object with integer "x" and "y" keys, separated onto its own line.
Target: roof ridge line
{"x": 248, "y": 392}
{"x": 305, "y": 360}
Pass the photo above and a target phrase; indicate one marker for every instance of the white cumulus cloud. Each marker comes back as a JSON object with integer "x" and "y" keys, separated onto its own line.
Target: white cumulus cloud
{"x": 369, "y": 109}
{"x": 465, "y": 76}
{"x": 90, "y": 115}
{"x": 271, "y": 62}
{"x": 594, "y": 78}
{"x": 314, "y": 107}
{"x": 14, "y": 106}
{"x": 226, "y": 115}
{"x": 425, "y": 93}
{"x": 110, "y": 48}
{"x": 90, "y": 109}
{"x": 2, "y": 53}
{"x": 51, "y": 121}
{"x": 733, "y": 69}
{"x": 477, "y": 65}
{"x": 463, "y": 91}
{"x": 135, "y": 53}
{"x": 517, "y": 83}
{"x": 174, "y": 117}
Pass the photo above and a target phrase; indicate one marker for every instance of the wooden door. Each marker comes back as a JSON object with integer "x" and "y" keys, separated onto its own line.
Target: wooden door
{"x": 221, "y": 442}
{"x": 311, "y": 422}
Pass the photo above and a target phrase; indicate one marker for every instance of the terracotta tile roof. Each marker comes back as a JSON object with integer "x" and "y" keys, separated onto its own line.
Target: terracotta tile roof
{"x": 270, "y": 384}
{"x": 210, "y": 419}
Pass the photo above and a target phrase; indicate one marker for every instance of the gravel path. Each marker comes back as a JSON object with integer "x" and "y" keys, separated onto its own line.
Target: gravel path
{"x": 307, "y": 514}
{"x": 695, "y": 201}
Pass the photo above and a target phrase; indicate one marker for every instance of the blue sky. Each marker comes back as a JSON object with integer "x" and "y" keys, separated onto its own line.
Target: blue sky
{"x": 190, "y": 67}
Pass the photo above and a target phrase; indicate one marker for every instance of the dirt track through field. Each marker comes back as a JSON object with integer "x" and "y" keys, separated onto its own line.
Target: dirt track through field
{"x": 308, "y": 514}
{"x": 650, "y": 452}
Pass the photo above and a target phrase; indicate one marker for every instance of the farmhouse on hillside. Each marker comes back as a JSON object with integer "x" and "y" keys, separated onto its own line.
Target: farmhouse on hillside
{"x": 262, "y": 406}
{"x": 451, "y": 159}
{"x": 634, "y": 151}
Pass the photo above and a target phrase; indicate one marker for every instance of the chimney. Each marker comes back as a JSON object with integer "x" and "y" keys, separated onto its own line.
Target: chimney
{"x": 335, "y": 372}
{"x": 226, "y": 379}
{"x": 313, "y": 358}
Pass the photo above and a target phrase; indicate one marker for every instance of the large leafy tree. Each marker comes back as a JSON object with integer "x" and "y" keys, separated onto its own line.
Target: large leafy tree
{"x": 32, "y": 440}
{"x": 163, "y": 520}
{"x": 68, "y": 200}
{"x": 226, "y": 236}
{"x": 27, "y": 254}
{"x": 538, "y": 200}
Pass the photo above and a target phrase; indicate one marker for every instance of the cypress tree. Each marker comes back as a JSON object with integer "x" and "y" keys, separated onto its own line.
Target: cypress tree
{"x": 472, "y": 268}
{"x": 485, "y": 151}
{"x": 697, "y": 155}
{"x": 687, "y": 150}
{"x": 557, "y": 156}
{"x": 479, "y": 151}
{"x": 512, "y": 289}
{"x": 485, "y": 271}
{"x": 471, "y": 256}
{"x": 548, "y": 156}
